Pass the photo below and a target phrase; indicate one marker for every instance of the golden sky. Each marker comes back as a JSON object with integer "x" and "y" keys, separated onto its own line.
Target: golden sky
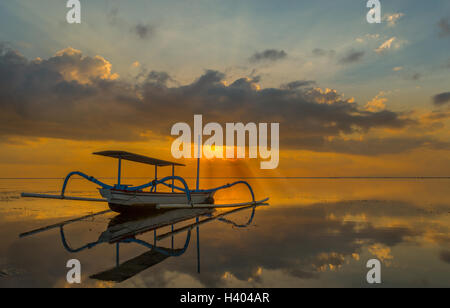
{"x": 371, "y": 101}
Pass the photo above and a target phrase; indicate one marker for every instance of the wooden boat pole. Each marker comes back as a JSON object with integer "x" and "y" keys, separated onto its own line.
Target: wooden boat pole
{"x": 156, "y": 174}
{"x": 119, "y": 171}
{"x": 59, "y": 197}
{"x": 173, "y": 174}
{"x": 198, "y": 164}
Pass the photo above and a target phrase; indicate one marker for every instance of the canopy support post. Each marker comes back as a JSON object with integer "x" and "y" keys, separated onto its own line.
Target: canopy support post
{"x": 173, "y": 174}
{"x": 198, "y": 163}
{"x": 156, "y": 175}
{"x": 119, "y": 171}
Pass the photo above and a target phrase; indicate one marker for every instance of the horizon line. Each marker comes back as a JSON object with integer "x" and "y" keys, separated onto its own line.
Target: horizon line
{"x": 249, "y": 177}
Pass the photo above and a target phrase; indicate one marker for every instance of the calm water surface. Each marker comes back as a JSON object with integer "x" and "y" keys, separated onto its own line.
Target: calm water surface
{"x": 316, "y": 232}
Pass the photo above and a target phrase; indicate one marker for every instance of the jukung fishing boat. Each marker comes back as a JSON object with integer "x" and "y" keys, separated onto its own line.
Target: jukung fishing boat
{"x": 125, "y": 198}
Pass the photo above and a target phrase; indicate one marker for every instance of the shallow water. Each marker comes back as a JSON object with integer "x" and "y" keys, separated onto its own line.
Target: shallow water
{"x": 316, "y": 232}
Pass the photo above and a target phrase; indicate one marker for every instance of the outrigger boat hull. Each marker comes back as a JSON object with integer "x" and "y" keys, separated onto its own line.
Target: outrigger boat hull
{"x": 129, "y": 201}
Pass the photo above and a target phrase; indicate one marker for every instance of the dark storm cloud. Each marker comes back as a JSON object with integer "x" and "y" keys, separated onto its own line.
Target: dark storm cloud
{"x": 444, "y": 27}
{"x": 352, "y": 57}
{"x": 441, "y": 99}
{"x": 268, "y": 55}
{"x": 72, "y": 96}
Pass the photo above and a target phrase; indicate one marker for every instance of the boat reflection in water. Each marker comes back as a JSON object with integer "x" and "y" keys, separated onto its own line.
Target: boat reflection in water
{"x": 123, "y": 229}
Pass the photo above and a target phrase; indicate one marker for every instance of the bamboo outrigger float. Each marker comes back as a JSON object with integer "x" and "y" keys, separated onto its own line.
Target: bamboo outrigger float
{"x": 124, "y": 198}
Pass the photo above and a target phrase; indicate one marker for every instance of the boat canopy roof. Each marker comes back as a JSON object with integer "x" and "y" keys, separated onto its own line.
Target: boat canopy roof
{"x": 137, "y": 158}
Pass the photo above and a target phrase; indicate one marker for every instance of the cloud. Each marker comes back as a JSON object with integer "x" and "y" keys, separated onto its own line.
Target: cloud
{"x": 112, "y": 16}
{"x": 441, "y": 99}
{"x": 397, "y": 68}
{"x": 367, "y": 37}
{"x": 445, "y": 256}
{"x": 369, "y": 146}
{"x": 436, "y": 115}
{"x": 386, "y": 45}
{"x": 319, "y": 52}
{"x": 444, "y": 27}
{"x": 392, "y": 19}
{"x": 298, "y": 84}
{"x": 73, "y": 66}
{"x": 352, "y": 57}
{"x": 377, "y": 103}
{"x": 382, "y": 252}
{"x": 143, "y": 31}
{"x": 77, "y": 97}
{"x": 268, "y": 55}
{"x": 160, "y": 78}
{"x": 413, "y": 76}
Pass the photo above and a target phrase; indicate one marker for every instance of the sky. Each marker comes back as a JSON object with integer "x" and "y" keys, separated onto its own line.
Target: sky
{"x": 352, "y": 98}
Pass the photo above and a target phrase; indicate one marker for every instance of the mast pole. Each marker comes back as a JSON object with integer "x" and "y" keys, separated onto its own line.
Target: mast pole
{"x": 119, "y": 171}
{"x": 173, "y": 174}
{"x": 198, "y": 164}
{"x": 156, "y": 175}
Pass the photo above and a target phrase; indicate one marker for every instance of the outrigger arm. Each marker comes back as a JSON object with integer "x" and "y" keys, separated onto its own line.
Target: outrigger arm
{"x": 63, "y": 190}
